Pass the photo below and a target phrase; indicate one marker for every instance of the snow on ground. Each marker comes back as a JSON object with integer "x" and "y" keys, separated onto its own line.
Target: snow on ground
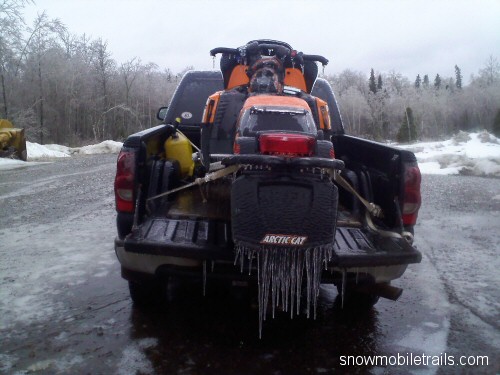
{"x": 476, "y": 154}
{"x": 38, "y": 153}
{"x": 7, "y": 164}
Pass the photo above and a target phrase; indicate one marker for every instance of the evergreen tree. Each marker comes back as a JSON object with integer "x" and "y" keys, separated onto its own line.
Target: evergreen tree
{"x": 372, "y": 84}
{"x": 496, "y": 124}
{"x": 417, "y": 81}
{"x": 407, "y": 131}
{"x": 437, "y": 82}
{"x": 426, "y": 81}
{"x": 458, "y": 79}
{"x": 379, "y": 82}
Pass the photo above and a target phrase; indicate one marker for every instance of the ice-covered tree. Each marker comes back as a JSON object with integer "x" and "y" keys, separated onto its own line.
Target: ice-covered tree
{"x": 491, "y": 71}
{"x": 372, "y": 84}
{"x": 425, "y": 82}
{"x": 407, "y": 131}
{"x": 496, "y": 124}
{"x": 458, "y": 77}
{"x": 11, "y": 29}
{"x": 43, "y": 37}
{"x": 437, "y": 82}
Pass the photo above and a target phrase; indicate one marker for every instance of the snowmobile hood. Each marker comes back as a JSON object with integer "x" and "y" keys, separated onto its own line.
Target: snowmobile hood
{"x": 275, "y": 101}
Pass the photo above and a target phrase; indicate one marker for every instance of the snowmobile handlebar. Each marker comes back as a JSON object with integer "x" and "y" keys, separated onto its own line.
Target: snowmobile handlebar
{"x": 229, "y": 51}
{"x": 279, "y": 50}
{"x": 318, "y": 58}
{"x": 252, "y": 48}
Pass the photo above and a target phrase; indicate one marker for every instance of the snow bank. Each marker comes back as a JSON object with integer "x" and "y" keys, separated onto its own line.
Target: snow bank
{"x": 106, "y": 147}
{"x": 37, "y": 151}
{"x": 476, "y": 154}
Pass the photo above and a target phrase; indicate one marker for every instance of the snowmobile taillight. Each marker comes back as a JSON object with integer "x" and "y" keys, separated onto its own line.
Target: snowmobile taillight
{"x": 287, "y": 144}
{"x": 412, "y": 199}
{"x": 332, "y": 153}
{"x": 124, "y": 181}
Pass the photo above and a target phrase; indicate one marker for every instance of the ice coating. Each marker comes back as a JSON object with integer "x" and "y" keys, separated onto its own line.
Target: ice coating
{"x": 280, "y": 274}
{"x": 205, "y": 277}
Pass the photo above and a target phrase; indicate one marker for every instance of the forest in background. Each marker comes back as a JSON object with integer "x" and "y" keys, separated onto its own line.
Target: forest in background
{"x": 67, "y": 89}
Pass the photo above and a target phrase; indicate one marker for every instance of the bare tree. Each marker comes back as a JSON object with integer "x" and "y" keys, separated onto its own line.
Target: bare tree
{"x": 491, "y": 71}
{"x": 129, "y": 72}
{"x": 11, "y": 27}
{"x": 43, "y": 36}
{"x": 104, "y": 68}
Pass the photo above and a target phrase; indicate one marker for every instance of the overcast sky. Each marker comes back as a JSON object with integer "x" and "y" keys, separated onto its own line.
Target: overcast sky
{"x": 407, "y": 36}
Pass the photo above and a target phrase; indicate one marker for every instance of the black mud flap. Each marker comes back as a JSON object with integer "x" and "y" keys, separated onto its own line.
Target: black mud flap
{"x": 289, "y": 210}
{"x": 285, "y": 223}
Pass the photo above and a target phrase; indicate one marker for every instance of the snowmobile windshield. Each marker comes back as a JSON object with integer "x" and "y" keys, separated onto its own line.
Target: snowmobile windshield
{"x": 257, "y": 119}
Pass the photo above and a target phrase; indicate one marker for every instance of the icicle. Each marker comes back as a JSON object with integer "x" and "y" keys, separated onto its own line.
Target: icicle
{"x": 204, "y": 277}
{"x": 280, "y": 271}
{"x": 343, "y": 286}
{"x": 309, "y": 282}
{"x": 318, "y": 256}
{"x": 237, "y": 254}
{"x": 293, "y": 281}
{"x": 250, "y": 256}
{"x": 273, "y": 278}
{"x": 300, "y": 276}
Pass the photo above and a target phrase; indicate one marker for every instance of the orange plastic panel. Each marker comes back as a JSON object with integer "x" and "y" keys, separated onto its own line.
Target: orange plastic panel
{"x": 323, "y": 114}
{"x": 238, "y": 77}
{"x": 295, "y": 78}
{"x": 211, "y": 107}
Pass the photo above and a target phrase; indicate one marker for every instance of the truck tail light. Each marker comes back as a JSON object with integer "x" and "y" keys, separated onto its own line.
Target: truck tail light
{"x": 332, "y": 153}
{"x": 124, "y": 181}
{"x": 236, "y": 148}
{"x": 287, "y": 144}
{"x": 412, "y": 199}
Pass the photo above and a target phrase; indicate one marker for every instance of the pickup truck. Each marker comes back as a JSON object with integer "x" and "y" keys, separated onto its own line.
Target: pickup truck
{"x": 251, "y": 178}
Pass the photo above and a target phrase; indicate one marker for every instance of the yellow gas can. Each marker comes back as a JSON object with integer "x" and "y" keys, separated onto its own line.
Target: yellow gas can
{"x": 179, "y": 148}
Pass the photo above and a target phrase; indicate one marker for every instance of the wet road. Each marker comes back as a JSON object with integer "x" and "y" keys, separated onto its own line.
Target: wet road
{"x": 65, "y": 309}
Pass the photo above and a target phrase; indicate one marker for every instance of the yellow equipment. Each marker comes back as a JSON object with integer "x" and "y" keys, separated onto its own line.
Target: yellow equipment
{"x": 12, "y": 141}
{"x": 178, "y": 147}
